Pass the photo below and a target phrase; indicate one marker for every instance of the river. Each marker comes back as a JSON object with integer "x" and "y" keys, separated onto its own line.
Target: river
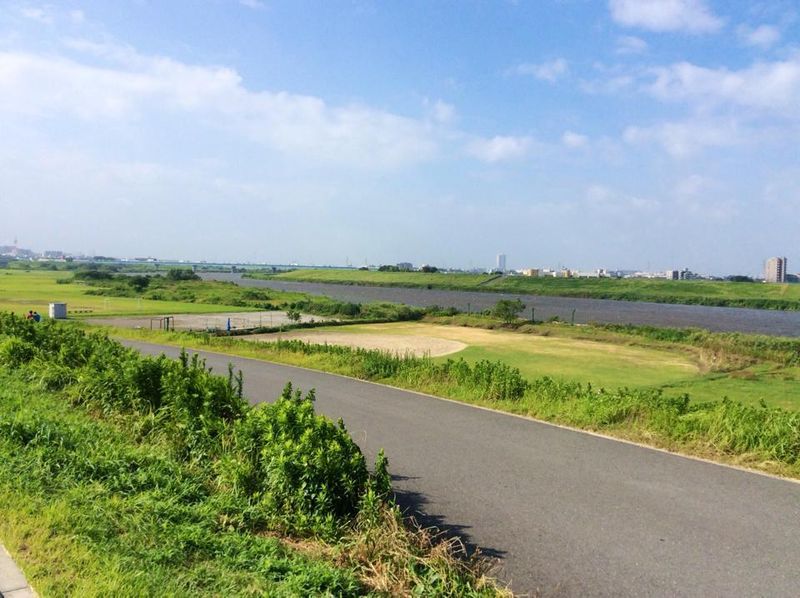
{"x": 608, "y": 311}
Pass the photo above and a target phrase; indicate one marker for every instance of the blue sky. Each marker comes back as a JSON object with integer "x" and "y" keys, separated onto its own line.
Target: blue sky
{"x": 621, "y": 134}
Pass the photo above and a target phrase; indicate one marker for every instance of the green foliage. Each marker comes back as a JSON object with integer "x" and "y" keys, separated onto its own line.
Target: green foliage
{"x": 304, "y": 473}
{"x": 181, "y": 274}
{"x": 487, "y": 380}
{"x": 14, "y": 352}
{"x": 103, "y": 512}
{"x": 169, "y": 478}
{"x": 783, "y": 350}
{"x": 508, "y": 309}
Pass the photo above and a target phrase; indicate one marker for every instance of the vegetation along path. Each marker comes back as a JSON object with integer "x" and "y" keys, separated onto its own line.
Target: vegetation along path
{"x": 568, "y": 513}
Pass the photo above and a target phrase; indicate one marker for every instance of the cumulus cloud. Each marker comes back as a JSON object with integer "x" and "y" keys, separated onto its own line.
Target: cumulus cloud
{"x": 441, "y": 111}
{"x": 771, "y": 86}
{"x": 629, "y": 44}
{"x": 607, "y": 199}
{"x": 574, "y": 140}
{"x": 135, "y": 86}
{"x": 545, "y": 71}
{"x": 695, "y": 185}
{"x": 43, "y": 14}
{"x": 500, "y": 148}
{"x": 691, "y": 16}
{"x": 684, "y": 139}
{"x": 256, "y": 4}
{"x": 763, "y": 36}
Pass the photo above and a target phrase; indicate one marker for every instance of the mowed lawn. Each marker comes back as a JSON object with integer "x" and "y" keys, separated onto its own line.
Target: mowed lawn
{"x": 602, "y": 364}
{"x": 21, "y": 291}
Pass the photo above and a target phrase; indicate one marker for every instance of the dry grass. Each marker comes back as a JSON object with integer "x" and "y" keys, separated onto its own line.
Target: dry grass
{"x": 387, "y": 552}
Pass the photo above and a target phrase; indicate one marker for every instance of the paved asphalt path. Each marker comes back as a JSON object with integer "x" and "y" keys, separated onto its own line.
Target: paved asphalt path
{"x": 567, "y": 513}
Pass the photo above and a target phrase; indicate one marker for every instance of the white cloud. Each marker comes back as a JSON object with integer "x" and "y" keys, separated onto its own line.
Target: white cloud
{"x": 691, "y": 16}
{"x": 546, "y": 71}
{"x": 36, "y": 86}
{"x": 607, "y": 199}
{"x": 629, "y": 44}
{"x": 695, "y": 185}
{"x": 500, "y": 148}
{"x": 772, "y": 86}
{"x": 440, "y": 111}
{"x": 574, "y": 140}
{"x": 684, "y": 139}
{"x": 763, "y": 36}
{"x": 77, "y": 16}
{"x": 43, "y": 14}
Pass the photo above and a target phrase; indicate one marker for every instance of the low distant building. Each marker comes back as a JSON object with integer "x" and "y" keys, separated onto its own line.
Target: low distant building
{"x": 405, "y": 266}
{"x": 672, "y": 274}
{"x": 530, "y": 272}
{"x": 775, "y": 269}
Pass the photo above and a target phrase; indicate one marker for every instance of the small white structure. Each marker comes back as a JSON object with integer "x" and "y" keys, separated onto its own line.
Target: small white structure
{"x": 58, "y": 311}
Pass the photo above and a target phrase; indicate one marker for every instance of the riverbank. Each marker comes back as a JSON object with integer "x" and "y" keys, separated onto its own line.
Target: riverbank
{"x": 686, "y": 292}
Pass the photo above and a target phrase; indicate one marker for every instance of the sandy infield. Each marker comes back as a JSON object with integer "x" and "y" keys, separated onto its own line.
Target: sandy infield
{"x": 394, "y": 343}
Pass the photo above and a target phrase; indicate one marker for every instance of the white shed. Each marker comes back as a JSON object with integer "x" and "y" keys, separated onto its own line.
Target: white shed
{"x": 58, "y": 311}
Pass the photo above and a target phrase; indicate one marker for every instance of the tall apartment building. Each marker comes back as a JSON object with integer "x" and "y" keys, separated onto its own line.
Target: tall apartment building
{"x": 501, "y": 262}
{"x": 775, "y": 270}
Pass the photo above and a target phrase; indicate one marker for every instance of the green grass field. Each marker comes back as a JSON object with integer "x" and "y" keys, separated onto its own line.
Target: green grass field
{"x": 605, "y": 360}
{"x": 21, "y": 291}
{"x": 601, "y": 364}
{"x": 702, "y": 292}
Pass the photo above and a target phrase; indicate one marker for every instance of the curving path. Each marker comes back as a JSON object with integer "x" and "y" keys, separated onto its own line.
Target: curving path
{"x": 567, "y": 513}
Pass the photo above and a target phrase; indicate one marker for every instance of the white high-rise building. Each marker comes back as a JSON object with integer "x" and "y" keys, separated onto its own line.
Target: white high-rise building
{"x": 501, "y": 262}
{"x": 775, "y": 270}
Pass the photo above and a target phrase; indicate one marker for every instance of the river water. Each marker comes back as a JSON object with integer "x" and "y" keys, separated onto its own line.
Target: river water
{"x": 608, "y": 311}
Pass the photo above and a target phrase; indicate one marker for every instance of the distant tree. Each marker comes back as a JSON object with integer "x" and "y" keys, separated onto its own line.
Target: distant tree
{"x": 139, "y": 282}
{"x": 181, "y": 274}
{"x": 388, "y": 268}
{"x": 508, "y": 310}
{"x": 364, "y": 268}
{"x": 429, "y": 269}
{"x": 740, "y": 278}
{"x": 293, "y": 315}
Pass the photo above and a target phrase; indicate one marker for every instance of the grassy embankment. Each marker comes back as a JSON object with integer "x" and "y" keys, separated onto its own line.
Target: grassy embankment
{"x": 128, "y": 475}
{"x": 699, "y": 292}
{"x": 21, "y": 291}
{"x": 757, "y": 435}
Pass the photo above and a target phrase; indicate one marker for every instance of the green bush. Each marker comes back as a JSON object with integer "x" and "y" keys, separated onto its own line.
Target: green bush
{"x": 303, "y": 472}
{"x": 15, "y": 352}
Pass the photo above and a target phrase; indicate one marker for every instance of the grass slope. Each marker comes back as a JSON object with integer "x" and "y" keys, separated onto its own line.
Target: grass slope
{"x": 701, "y": 292}
{"x": 21, "y": 291}
{"x": 89, "y": 511}
{"x": 127, "y": 475}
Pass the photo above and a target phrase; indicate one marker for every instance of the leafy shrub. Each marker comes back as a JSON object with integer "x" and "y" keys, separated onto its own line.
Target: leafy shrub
{"x": 15, "y": 352}
{"x": 302, "y": 471}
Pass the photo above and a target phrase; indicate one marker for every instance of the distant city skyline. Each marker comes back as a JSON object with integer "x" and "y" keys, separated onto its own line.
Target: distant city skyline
{"x": 773, "y": 269}
{"x": 635, "y": 134}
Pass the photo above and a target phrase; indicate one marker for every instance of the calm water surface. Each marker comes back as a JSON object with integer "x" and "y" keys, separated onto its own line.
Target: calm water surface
{"x": 608, "y": 311}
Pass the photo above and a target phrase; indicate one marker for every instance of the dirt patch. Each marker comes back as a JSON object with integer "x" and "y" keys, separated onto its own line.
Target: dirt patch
{"x": 394, "y": 343}
{"x": 238, "y": 320}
